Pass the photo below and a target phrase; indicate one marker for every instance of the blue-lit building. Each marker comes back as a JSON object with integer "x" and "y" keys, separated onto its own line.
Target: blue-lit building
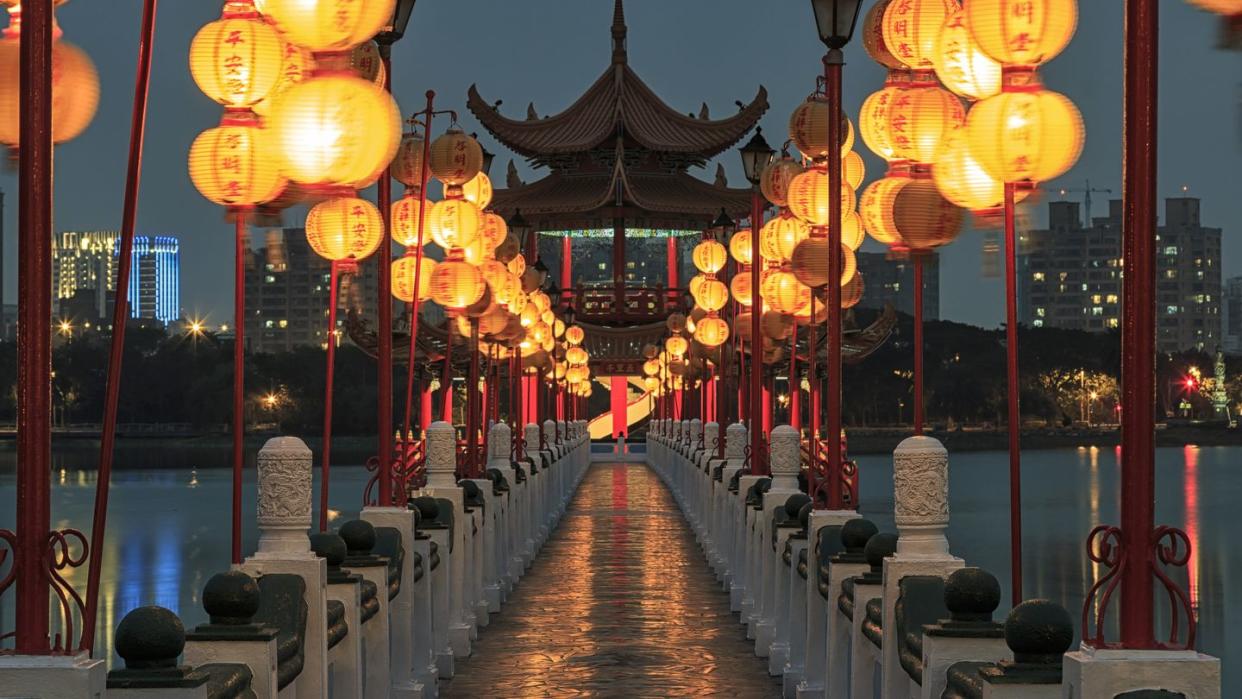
{"x": 84, "y": 276}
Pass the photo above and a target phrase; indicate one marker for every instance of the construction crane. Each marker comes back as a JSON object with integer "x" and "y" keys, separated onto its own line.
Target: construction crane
{"x": 1086, "y": 191}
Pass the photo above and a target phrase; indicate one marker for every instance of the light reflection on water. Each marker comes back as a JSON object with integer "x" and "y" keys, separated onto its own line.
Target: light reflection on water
{"x": 174, "y": 526}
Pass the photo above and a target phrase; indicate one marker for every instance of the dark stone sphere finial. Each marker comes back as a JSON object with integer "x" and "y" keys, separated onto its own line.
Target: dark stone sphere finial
{"x": 856, "y": 533}
{"x": 803, "y": 484}
{"x": 804, "y": 514}
{"x": 150, "y": 637}
{"x": 359, "y": 536}
{"x": 331, "y": 546}
{"x": 763, "y": 485}
{"x": 1039, "y": 631}
{"x": 469, "y": 489}
{"x": 427, "y": 508}
{"x": 231, "y": 599}
{"x": 879, "y": 547}
{"x": 972, "y": 594}
{"x": 794, "y": 503}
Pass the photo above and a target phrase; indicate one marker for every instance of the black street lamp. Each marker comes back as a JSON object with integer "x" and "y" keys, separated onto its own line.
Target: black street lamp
{"x": 835, "y": 20}
{"x": 756, "y": 156}
{"x": 395, "y": 29}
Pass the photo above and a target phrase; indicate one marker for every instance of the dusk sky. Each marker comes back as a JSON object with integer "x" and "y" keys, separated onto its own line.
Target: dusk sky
{"x": 688, "y": 51}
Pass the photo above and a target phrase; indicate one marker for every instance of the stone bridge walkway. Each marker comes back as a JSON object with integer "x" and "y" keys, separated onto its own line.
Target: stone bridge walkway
{"x": 620, "y": 603}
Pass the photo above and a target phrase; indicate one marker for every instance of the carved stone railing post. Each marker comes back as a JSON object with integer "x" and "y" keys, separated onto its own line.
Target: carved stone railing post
{"x": 441, "y": 455}
{"x": 442, "y": 484}
{"x": 786, "y": 459}
{"x": 284, "y": 490}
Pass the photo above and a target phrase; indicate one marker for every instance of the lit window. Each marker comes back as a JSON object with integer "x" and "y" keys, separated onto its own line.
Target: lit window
{"x": 1041, "y": 312}
{"x": 1170, "y": 310}
{"x": 1038, "y": 323}
{"x": 269, "y": 324}
{"x": 1170, "y": 250}
{"x": 1038, "y": 276}
{"x": 1095, "y": 298}
{"x": 1111, "y": 298}
{"x": 283, "y": 323}
{"x": 1111, "y": 322}
{"x": 1170, "y": 274}
{"x": 1097, "y": 310}
{"x": 1084, "y": 286}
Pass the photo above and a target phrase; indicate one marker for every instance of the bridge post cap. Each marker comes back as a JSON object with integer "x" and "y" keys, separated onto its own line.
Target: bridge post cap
{"x": 972, "y": 594}
{"x": 879, "y": 547}
{"x": 329, "y": 546}
{"x": 231, "y": 598}
{"x": 855, "y": 534}
{"x": 786, "y": 451}
{"x": 804, "y": 514}
{"x": 499, "y": 437}
{"x": 794, "y": 503}
{"x": 426, "y": 507}
{"x": 359, "y": 537}
{"x": 150, "y": 637}
{"x": 1039, "y": 631}
{"x": 469, "y": 488}
{"x": 763, "y": 485}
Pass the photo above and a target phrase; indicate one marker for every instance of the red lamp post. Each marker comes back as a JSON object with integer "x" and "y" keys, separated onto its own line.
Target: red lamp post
{"x": 756, "y": 156}
{"x": 835, "y": 21}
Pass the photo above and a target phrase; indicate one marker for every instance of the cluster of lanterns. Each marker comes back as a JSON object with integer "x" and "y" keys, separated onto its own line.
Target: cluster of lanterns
{"x": 942, "y": 156}
{"x": 685, "y": 358}
{"x": 75, "y": 83}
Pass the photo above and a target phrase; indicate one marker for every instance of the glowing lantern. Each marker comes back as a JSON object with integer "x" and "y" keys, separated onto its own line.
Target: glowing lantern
{"x": 781, "y": 235}
{"x": 547, "y": 316}
{"x": 873, "y": 37}
{"x": 492, "y": 271}
{"x": 454, "y": 223}
{"x": 296, "y": 65}
{"x": 576, "y": 355}
{"x": 577, "y": 374}
{"x": 783, "y": 292}
{"x": 651, "y": 367}
{"x": 710, "y": 256}
{"x": 492, "y": 231}
{"x": 518, "y": 303}
{"x": 541, "y": 301}
{"x": 852, "y": 233}
{"x": 712, "y": 296}
{"x": 404, "y": 221}
{"x": 232, "y": 165}
{"x": 740, "y": 247}
{"x": 876, "y": 209}
{"x": 696, "y": 283}
{"x": 852, "y": 292}
{"x": 574, "y": 335}
{"x": 676, "y": 345}
{"x": 1017, "y": 136}
{"x": 712, "y": 332}
{"x": 961, "y": 179}
{"x": 478, "y": 191}
{"x": 920, "y": 118}
{"x": 808, "y": 197}
{"x": 808, "y": 128}
{"x": 774, "y": 182}
{"x": 810, "y": 262}
{"x": 873, "y": 122}
{"x": 335, "y": 130}
{"x": 456, "y": 158}
{"x": 475, "y": 253}
{"x": 236, "y": 61}
{"x": 740, "y": 286}
{"x": 529, "y": 314}
{"x": 517, "y": 265}
{"x": 676, "y": 322}
{"x": 776, "y": 325}
{"x": 925, "y": 219}
{"x": 1024, "y": 33}
{"x": 853, "y": 170}
{"x": 407, "y": 166}
{"x": 456, "y": 284}
{"x": 508, "y": 251}
{"x": 961, "y": 65}
{"x": 330, "y": 25}
{"x": 75, "y": 90}
{"x": 651, "y": 383}
{"x": 910, "y": 28}
{"x": 365, "y": 60}
{"x": 344, "y": 228}
{"x": 403, "y": 269}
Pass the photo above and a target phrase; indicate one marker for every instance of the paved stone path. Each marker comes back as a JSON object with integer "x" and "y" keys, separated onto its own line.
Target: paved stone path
{"x": 620, "y": 603}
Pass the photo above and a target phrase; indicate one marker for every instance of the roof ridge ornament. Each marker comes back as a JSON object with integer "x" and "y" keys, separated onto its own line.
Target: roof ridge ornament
{"x": 619, "y": 32}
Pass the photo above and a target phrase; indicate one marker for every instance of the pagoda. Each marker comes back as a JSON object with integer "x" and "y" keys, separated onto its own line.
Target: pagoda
{"x": 617, "y": 162}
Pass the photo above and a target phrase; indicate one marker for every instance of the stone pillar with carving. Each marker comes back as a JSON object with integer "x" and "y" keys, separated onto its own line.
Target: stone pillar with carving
{"x": 921, "y": 513}
{"x": 786, "y": 455}
{"x": 441, "y": 455}
{"x": 707, "y": 496}
{"x": 284, "y": 490}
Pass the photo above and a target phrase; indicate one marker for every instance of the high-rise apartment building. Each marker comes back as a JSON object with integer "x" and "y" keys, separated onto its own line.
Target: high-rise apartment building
{"x": 287, "y": 293}
{"x": 1070, "y": 275}
{"x": 891, "y": 281}
{"x": 1233, "y": 316}
{"x": 84, "y": 275}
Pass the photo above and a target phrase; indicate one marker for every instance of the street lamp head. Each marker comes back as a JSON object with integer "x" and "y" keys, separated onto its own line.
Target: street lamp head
{"x": 395, "y": 29}
{"x": 518, "y": 225}
{"x": 835, "y": 20}
{"x": 723, "y": 225}
{"x": 756, "y": 156}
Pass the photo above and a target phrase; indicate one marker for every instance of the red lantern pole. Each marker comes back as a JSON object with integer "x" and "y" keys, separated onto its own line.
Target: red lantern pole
{"x": 239, "y": 378}
{"x": 758, "y": 465}
{"x": 34, "y": 347}
{"x": 472, "y": 403}
{"x": 917, "y": 256}
{"x": 795, "y": 401}
{"x": 329, "y": 377}
{"x": 120, "y": 311}
{"x": 383, "y": 422}
{"x": 1015, "y": 413}
{"x": 834, "y": 61}
{"x": 446, "y": 380}
{"x": 1138, "y": 341}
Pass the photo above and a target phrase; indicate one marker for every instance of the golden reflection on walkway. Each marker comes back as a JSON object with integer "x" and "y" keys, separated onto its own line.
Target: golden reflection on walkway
{"x": 620, "y": 602}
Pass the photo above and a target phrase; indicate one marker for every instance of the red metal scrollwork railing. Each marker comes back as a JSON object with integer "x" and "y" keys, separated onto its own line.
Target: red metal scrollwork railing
{"x": 1171, "y": 548}
{"x": 66, "y": 549}
{"x": 818, "y": 465}
{"x": 409, "y": 471}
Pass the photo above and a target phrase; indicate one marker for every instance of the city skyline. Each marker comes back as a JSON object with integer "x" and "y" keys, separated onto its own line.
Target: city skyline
{"x": 515, "y": 68}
